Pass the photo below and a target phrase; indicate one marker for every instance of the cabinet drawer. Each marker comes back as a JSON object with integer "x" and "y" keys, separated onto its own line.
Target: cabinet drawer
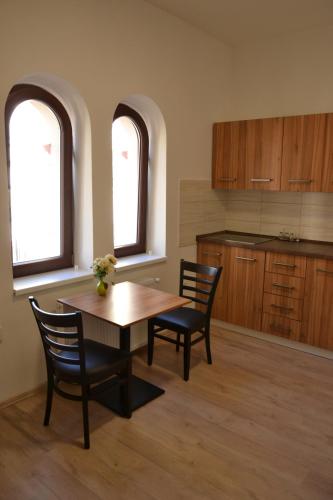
{"x": 288, "y": 286}
{"x": 291, "y": 265}
{"x": 210, "y": 254}
{"x": 282, "y": 306}
{"x": 283, "y": 327}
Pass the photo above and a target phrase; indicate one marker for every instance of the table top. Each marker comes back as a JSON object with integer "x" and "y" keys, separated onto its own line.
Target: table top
{"x": 125, "y": 303}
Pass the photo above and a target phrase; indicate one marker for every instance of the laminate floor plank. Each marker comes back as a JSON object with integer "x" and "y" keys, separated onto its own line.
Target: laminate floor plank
{"x": 255, "y": 425}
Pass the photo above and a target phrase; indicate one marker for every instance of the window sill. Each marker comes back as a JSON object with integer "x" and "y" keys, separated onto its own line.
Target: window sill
{"x": 36, "y": 282}
{"x": 33, "y": 283}
{"x": 139, "y": 260}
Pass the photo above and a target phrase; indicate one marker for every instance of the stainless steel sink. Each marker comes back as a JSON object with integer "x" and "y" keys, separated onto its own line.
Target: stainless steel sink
{"x": 244, "y": 239}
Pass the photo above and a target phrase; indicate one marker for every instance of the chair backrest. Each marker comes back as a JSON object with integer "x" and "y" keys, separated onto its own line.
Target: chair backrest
{"x": 198, "y": 282}
{"x": 66, "y": 327}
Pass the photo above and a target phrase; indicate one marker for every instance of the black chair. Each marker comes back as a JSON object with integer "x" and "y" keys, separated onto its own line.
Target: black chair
{"x": 79, "y": 361}
{"x": 197, "y": 282}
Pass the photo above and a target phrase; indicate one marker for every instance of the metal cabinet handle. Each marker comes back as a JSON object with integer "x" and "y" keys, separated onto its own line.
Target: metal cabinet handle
{"x": 280, "y": 285}
{"x": 292, "y": 266}
{"x": 285, "y": 308}
{"x": 228, "y": 179}
{"x": 280, "y": 329}
{"x": 300, "y": 181}
{"x": 261, "y": 180}
{"x": 319, "y": 270}
{"x": 215, "y": 254}
{"x": 246, "y": 258}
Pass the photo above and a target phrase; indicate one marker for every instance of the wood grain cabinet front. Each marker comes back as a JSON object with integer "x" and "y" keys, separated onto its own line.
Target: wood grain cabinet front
{"x": 247, "y": 154}
{"x": 263, "y": 154}
{"x": 303, "y": 152}
{"x": 287, "y": 286}
{"x": 290, "y": 265}
{"x": 317, "y": 326}
{"x": 327, "y": 178}
{"x": 229, "y": 140}
{"x": 283, "y": 306}
{"x": 282, "y": 294}
{"x": 293, "y": 153}
{"x": 245, "y": 287}
{"x": 216, "y": 255}
{"x": 281, "y": 326}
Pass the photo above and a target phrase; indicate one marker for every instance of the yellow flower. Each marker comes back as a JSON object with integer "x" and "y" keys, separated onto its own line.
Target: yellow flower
{"x": 111, "y": 258}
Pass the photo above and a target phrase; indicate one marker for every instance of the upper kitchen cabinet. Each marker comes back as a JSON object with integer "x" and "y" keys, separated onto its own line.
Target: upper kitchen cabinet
{"x": 327, "y": 180}
{"x": 303, "y": 153}
{"x": 263, "y": 154}
{"x": 229, "y": 142}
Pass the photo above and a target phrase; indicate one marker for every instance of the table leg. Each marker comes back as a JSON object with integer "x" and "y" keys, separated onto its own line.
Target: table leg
{"x": 141, "y": 391}
{"x": 125, "y": 339}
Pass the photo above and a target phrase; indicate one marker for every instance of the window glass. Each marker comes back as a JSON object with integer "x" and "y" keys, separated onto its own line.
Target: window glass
{"x": 35, "y": 177}
{"x": 40, "y": 155}
{"x": 126, "y": 169}
{"x": 130, "y": 174}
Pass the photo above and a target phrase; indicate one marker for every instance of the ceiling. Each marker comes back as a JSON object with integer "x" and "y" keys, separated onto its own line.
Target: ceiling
{"x": 237, "y": 22}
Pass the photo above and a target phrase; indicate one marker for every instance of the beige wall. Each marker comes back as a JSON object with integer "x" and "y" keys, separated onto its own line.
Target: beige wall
{"x": 292, "y": 75}
{"x": 107, "y": 50}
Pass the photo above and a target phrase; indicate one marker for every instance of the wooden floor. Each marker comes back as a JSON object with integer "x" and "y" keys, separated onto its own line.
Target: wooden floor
{"x": 257, "y": 424}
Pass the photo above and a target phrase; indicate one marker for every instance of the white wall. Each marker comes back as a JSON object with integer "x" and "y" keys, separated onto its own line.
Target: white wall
{"x": 107, "y": 50}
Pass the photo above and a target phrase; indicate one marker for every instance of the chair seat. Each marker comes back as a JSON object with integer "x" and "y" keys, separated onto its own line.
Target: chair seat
{"x": 181, "y": 320}
{"x": 101, "y": 361}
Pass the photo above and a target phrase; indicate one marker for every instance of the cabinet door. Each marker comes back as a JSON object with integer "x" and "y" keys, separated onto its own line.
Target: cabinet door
{"x": 212, "y": 254}
{"x": 245, "y": 287}
{"x": 327, "y": 181}
{"x": 228, "y": 155}
{"x": 317, "y": 326}
{"x": 303, "y": 152}
{"x": 263, "y": 153}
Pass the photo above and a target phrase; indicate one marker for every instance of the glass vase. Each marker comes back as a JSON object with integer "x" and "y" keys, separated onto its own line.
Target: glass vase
{"x": 101, "y": 288}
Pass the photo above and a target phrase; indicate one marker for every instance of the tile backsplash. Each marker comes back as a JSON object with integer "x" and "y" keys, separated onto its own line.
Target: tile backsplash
{"x": 205, "y": 210}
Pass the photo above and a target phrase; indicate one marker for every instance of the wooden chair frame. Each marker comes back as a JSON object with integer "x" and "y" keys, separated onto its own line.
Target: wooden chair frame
{"x": 207, "y": 276}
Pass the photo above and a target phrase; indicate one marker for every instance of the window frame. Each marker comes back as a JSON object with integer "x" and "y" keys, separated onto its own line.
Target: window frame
{"x": 140, "y": 245}
{"x": 18, "y": 94}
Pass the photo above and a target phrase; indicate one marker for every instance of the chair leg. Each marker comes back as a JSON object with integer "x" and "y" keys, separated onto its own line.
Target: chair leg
{"x": 125, "y": 390}
{"x": 207, "y": 341}
{"x": 150, "y": 342}
{"x": 187, "y": 355}
{"x": 178, "y": 341}
{"x": 85, "y": 418}
{"x": 49, "y": 397}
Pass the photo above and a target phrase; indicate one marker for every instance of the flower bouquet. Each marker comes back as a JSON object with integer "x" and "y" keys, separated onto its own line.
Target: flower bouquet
{"x": 102, "y": 266}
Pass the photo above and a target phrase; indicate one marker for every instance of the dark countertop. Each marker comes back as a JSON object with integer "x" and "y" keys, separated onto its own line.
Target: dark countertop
{"x": 316, "y": 249}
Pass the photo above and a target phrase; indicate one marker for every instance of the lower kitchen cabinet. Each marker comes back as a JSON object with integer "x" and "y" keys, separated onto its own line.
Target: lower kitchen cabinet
{"x": 317, "y": 326}
{"x": 281, "y": 326}
{"x": 282, "y": 294}
{"x": 216, "y": 255}
{"x": 245, "y": 287}
{"x": 283, "y": 306}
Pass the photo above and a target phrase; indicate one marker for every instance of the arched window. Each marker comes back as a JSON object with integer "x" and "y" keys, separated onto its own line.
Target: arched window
{"x": 39, "y": 153}
{"x": 130, "y": 177}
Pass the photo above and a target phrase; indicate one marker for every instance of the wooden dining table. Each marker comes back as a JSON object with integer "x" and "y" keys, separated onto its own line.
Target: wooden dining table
{"x": 124, "y": 305}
